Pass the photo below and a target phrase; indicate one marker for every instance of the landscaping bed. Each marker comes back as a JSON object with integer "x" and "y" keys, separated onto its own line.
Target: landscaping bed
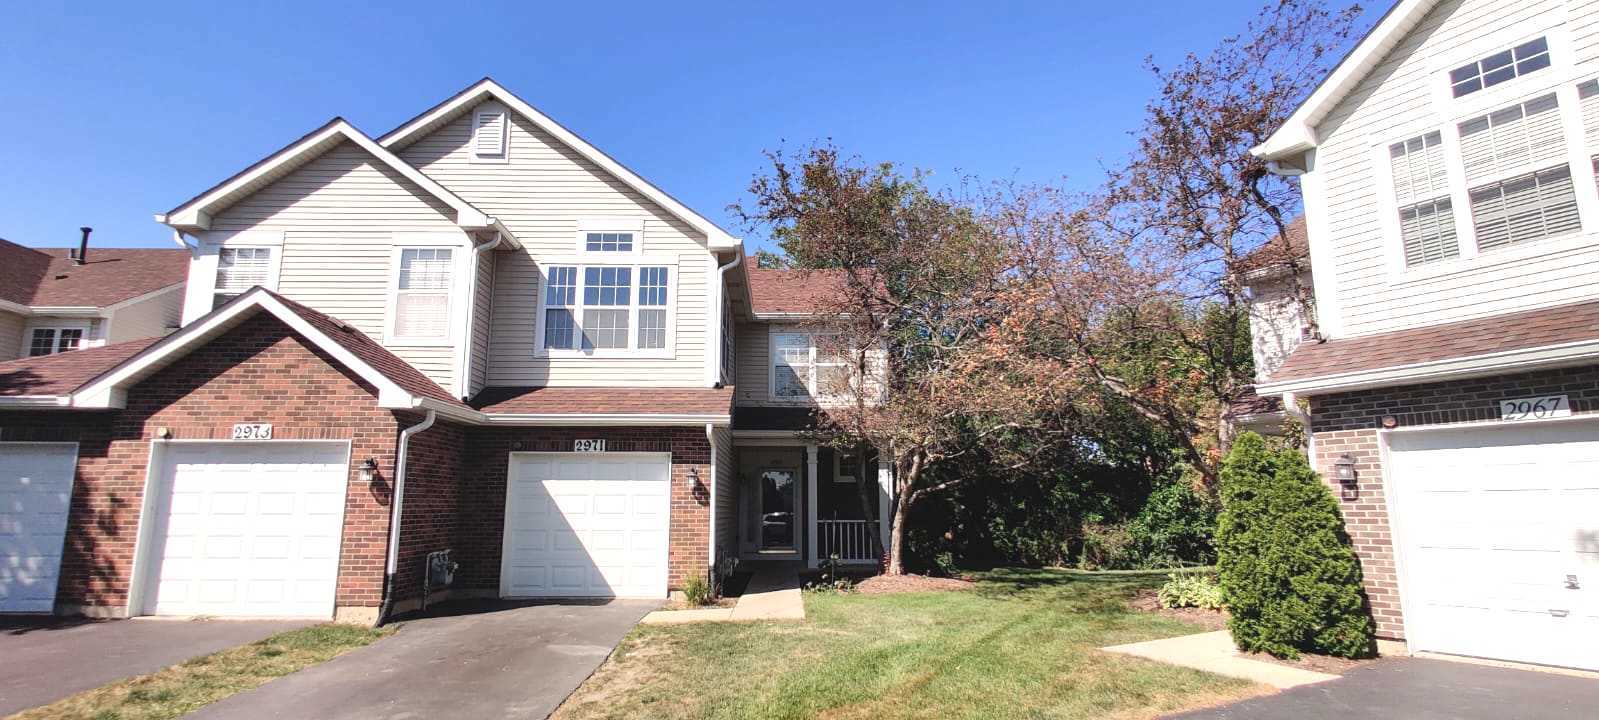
{"x": 882, "y": 584}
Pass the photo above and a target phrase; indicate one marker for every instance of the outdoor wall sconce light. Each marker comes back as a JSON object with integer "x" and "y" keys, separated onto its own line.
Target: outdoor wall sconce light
{"x": 369, "y": 470}
{"x": 1344, "y": 471}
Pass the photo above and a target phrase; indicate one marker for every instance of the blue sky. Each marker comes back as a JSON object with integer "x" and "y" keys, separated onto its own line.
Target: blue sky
{"x": 115, "y": 111}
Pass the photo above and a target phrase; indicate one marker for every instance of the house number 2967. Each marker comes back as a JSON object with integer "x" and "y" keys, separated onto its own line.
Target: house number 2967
{"x": 1535, "y": 408}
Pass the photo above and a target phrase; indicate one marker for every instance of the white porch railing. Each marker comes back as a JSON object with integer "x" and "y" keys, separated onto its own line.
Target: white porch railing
{"x": 850, "y": 540}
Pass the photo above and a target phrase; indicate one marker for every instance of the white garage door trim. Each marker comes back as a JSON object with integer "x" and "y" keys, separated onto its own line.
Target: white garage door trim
{"x": 505, "y": 528}
{"x": 42, "y": 603}
{"x": 1394, "y": 507}
{"x": 144, "y": 566}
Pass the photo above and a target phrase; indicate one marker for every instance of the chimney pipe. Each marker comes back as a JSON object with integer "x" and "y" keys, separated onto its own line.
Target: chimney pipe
{"x": 83, "y": 246}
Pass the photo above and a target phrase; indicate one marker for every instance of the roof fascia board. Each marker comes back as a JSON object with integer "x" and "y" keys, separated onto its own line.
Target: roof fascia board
{"x": 196, "y": 214}
{"x": 109, "y": 389}
{"x": 1519, "y": 360}
{"x": 1298, "y": 132}
{"x": 400, "y": 137}
{"x": 35, "y": 401}
{"x": 605, "y": 419}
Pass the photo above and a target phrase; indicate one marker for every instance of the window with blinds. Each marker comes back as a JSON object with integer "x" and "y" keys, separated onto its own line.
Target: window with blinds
{"x": 1421, "y": 190}
{"x": 238, "y": 270}
{"x": 422, "y": 293}
{"x": 489, "y": 134}
{"x": 1519, "y": 183}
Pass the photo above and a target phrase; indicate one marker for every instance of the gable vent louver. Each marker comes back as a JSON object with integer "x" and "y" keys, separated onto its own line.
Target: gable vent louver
{"x": 489, "y": 137}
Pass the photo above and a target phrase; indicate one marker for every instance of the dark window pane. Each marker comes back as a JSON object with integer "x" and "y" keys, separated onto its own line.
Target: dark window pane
{"x": 1468, "y": 87}
{"x": 1537, "y": 62}
{"x": 1498, "y": 76}
{"x": 1528, "y": 49}
{"x": 1496, "y": 61}
{"x": 1463, "y": 73}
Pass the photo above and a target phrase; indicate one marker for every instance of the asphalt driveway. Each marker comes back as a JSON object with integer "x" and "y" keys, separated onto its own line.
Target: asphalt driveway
{"x": 483, "y": 660}
{"x": 1420, "y": 689}
{"x": 46, "y": 659}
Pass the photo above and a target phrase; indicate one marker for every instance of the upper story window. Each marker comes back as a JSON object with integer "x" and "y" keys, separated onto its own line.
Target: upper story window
{"x": 420, "y": 300}
{"x": 1519, "y": 183}
{"x": 239, "y": 269}
{"x": 616, "y": 309}
{"x": 1421, "y": 189}
{"x": 809, "y": 365}
{"x": 1500, "y": 67}
{"x": 52, "y": 340}
{"x": 490, "y": 134}
{"x": 608, "y": 242}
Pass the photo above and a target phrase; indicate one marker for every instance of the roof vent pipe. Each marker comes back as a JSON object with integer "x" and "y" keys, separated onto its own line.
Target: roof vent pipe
{"x": 83, "y": 246}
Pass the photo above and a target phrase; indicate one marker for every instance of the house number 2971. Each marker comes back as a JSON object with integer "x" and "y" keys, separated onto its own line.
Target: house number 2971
{"x": 588, "y": 446}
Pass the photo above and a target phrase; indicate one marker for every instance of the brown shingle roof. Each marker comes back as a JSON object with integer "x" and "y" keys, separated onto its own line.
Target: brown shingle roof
{"x": 1250, "y": 403}
{"x": 62, "y": 373}
{"x": 47, "y": 277}
{"x": 1500, "y": 333}
{"x": 613, "y": 401}
{"x": 1275, "y": 254}
{"x": 371, "y": 352}
{"x": 793, "y": 291}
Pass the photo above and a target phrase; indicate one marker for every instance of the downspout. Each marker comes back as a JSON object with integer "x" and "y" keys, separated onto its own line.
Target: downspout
{"x": 471, "y": 315}
{"x": 713, "y": 377}
{"x": 710, "y": 552}
{"x": 395, "y": 508}
{"x": 1291, "y": 407}
{"x": 177, "y": 237}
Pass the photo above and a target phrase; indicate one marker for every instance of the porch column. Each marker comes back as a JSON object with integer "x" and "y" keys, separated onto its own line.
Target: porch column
{"x": 810, "y": 505}
{"x": 885, "y": 496}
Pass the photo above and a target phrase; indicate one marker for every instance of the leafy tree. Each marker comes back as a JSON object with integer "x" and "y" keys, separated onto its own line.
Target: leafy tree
{"x": 1290, "y": 576}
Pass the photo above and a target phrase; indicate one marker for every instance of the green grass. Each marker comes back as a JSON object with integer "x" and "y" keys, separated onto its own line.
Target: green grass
{"x": 1023, "y": 643}
{"x": 186, "y": 687}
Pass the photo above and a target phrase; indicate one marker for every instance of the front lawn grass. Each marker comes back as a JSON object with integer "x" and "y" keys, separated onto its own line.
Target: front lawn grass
{"x": 183, "y": 688}
{"x": 1023, "y": 643}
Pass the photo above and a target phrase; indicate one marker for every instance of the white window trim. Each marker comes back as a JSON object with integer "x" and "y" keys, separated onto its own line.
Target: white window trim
{"x": 202, "y": 283}
{"x": 55, "y": 339}
{"x": 452, "y": 294}
{"x": 505, "y": 134}
{"x": 811, "y": 395}
{"x": 838, "y": 467}
{"x": 1525, "y": 87}
{"x": 611, "y": 225}
{"x": 616, "y": 260}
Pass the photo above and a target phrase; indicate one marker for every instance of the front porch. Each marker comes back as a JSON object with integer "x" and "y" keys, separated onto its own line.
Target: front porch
{"x": 801, "y": 501}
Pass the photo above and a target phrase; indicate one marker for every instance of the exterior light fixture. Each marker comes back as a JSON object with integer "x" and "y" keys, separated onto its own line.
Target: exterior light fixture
{"x": 369, "y": 470}
{"x": 1344, "y": 468}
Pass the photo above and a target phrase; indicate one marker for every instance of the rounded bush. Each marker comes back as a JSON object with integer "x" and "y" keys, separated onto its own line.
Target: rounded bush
{"x": 1288, "y": 574}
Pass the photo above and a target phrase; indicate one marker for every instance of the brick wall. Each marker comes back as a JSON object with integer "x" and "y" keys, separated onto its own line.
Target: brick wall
{"x": 483, "y": 495}
{"x": 1348, "y": 423}
{"x": 432, "y": 502}
{"x": 258, "y": 372}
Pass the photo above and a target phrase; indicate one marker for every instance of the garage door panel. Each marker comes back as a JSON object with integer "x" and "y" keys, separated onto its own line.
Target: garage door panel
{"x": 605, "y": 516}
{"x": 1490, "y": 523}
{"x": 35, "y": 498}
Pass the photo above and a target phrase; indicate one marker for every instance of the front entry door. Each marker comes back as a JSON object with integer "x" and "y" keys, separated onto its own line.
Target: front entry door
{"x": 777, "y": 509}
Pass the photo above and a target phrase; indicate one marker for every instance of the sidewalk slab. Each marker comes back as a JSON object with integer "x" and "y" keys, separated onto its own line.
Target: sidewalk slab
{"x": 773, "y": 594}
{"x": 1214, "y": 652}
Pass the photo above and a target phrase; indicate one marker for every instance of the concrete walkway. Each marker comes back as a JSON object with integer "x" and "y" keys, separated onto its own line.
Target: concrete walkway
{"x": 46, "y": 659}
{"x": 1215, "y": 652}
{"x": 773, "y": 594}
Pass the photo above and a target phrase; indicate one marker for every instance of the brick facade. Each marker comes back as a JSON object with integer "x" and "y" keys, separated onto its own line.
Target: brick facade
{"x": 482, "y": 508}
{"x": 258, "y": 372}
{"x": 1349, "y": 423}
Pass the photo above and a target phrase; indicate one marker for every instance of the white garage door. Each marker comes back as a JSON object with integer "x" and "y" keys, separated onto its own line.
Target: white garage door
{"x": 247, "y": 529}
{"x": 582, "y": 525}
{"x": 1499, "y": 530}
{"x": 35, "y": 492}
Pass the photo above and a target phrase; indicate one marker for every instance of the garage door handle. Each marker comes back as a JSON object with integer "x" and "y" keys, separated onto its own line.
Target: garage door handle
{"x": 1559, "y": 613}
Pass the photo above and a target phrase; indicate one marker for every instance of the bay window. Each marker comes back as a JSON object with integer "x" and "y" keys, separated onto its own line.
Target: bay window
{"x": 605, "y": 309}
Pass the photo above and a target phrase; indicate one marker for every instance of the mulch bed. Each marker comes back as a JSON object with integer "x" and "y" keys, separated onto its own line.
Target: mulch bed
{"x": 880, "y": 584}
{"x": 1147, "y": 601}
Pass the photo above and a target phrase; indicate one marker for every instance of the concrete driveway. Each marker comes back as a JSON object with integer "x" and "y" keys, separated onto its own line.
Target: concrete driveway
{"x": 1420, "y": 689}
{"x": 46, "y": 659}
{"x": 483, "y": 660}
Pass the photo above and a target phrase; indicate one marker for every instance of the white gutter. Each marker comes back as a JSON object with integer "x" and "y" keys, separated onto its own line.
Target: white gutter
{"x": 710, "y": 550}
{"x": 465, "y": 386}
{"x": 396, "y": 508}
{"x": 1518, "y": 360}
{"x": 33, "y": 401}
{"x": 177, "y": 237}
{"x": 713, "y": 354}
{"x": 601, "y": 419}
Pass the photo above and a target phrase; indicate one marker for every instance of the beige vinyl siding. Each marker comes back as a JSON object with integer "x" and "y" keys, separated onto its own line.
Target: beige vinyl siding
{"x": 727, "y": 487}
{"x": 10, "y": 336}
{"x": 339, "y": 214}
{"x": 752, "y": 384}
{"x": 1584, "y": 28}
{"x": 1399, "y": 100}
{"x": 482, "y": 320}
{"x": 147, "y": 318}
{"x": 540, "y": 193}
{"x": 1275, "y": 323}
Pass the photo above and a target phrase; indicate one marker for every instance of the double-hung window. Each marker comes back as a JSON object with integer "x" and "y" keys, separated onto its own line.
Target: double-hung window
{"x": 1517, "y": 177}
{"x": 1421, "y": 191}
{"x": 807, "y": 365}
{"x": 606, "y": 309}
{"x": 52, "y": 340}
{"x": 420, "y": 302}
{"x": 238, "y": 270}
